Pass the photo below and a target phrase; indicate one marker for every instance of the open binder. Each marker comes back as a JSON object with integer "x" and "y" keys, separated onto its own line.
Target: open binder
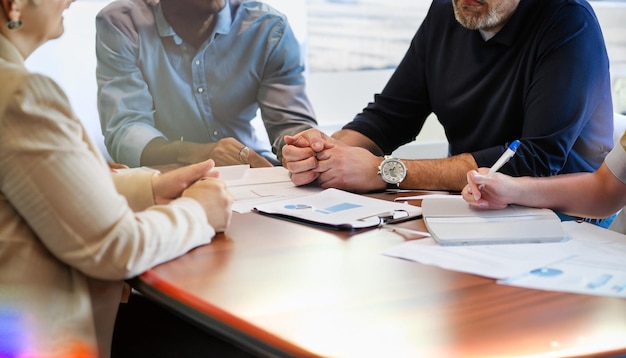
{"x": 451, "y": 221}
{"x": 340, "y": 210}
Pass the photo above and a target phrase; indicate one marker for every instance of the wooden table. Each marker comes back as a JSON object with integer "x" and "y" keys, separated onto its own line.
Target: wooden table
{"x": 285, "y": 289}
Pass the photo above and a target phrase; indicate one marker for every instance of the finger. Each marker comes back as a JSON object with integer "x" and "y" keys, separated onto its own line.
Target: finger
{"x": 328, "y": 179}
{"x": 467, "y": 194}
{"x": 322, "y": 155}
{"x": 203, "y": 168}
{"x": 193, "y": 172}
{"x": 292, "y": 139}
{"x": 301, "y": 166}
{"x": 214, "y": 174}
{"x": 114, "y": 165}
{"x": 297, "y": 140}
{"x": 304, "y": 178}
{"x": 231, "y": 142}
{"x": 474, "y": 188}
{"x": 293, "y": 153}
{"x": 477, "y": 205}
{"x": 480, "y": 181}
{"x": 324, "y": 165}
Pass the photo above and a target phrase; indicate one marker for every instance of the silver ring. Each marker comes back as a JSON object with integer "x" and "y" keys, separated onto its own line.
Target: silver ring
{"x": 243, "y": 155}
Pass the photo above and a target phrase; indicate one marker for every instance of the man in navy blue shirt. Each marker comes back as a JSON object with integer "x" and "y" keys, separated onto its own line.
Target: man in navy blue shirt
{"x": 492, "y": 71}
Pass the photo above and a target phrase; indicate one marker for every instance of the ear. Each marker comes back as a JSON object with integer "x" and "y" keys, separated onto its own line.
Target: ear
{"x": 12, "y": 9}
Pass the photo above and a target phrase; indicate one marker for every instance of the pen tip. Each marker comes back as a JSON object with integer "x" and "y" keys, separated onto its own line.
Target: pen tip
{"x": 514, "y": 145}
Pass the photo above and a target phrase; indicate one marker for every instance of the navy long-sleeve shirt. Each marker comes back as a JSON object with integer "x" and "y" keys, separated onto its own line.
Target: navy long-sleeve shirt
{"x": 543, "y": 79}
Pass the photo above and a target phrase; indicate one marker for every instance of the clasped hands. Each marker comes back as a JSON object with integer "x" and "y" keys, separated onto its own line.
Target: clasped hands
{"x": 312, "y": 155}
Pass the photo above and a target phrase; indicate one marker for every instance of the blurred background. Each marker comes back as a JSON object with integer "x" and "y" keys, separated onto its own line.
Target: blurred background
{"x": 351, "y": 48}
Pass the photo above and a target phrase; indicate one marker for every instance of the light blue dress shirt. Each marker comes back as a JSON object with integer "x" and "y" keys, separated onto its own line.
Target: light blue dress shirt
{"x": 152, "y": 84}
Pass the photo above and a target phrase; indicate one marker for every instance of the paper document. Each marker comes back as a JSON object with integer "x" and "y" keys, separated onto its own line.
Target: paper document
{"x": 493, "y": 261}
{"x": 230, "y": 173}
{"x": 451, "y": 221}
{"x": 255, "y": 186}
{"x": 599, "y": 268}
{"x": 590, "y": 262}
{"x": 339, "y": 209}
{"x": 253, "y": 176}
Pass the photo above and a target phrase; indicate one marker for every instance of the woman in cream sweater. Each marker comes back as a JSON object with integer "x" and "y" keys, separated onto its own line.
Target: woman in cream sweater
{"x": 70, "y": 230}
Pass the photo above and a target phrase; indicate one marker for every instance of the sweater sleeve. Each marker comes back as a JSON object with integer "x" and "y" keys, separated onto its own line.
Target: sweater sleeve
{"x": 60, "y": 185}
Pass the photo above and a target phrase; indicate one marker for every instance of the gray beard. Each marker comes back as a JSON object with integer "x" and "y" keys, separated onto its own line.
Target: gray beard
{"x": 478, "y": 22}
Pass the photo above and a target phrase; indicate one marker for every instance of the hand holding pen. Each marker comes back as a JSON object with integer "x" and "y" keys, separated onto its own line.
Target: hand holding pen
{"x": 496, "y": 194}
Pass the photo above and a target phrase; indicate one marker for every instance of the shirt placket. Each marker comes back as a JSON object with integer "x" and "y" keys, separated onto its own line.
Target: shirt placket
{"x": 202, "y": 94}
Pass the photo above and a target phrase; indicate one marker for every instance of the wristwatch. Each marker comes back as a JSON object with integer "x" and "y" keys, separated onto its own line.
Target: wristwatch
{"x": 392, "y": 171}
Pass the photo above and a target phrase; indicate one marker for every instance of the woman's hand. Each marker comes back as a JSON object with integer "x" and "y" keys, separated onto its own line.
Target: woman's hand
{"x": 169, "y": 186}
{"x": 489, "y": 192}
{"x": 199, "y": 182}
{"x": 216, "y": 200}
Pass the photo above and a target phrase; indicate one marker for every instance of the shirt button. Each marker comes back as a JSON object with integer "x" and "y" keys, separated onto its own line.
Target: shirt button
{"x": 215, "y": 132}
{"x": 200, "y": 90}
{"x": 197, "y": 62}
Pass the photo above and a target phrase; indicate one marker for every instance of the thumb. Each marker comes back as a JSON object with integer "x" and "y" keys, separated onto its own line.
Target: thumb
{"x": 199, "y": 170}
{"x": 319, "y": 143}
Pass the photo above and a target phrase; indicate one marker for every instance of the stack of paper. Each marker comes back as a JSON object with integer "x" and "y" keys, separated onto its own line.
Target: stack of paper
{"x": 591, "y": 261}
{"x": 254, "y": 186}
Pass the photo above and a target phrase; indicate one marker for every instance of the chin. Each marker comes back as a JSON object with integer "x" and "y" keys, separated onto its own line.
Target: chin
{"x": 59, "y": 32}
{"x": 54, "y": 37}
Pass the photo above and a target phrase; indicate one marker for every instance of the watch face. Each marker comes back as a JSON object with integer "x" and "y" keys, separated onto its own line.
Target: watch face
{"x": 392, "y": 171}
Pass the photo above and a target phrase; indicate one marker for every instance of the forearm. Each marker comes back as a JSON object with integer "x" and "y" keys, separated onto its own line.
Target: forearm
{"x": 439, "y": 174}
{"x": 356, "y": 139}
{"x": 160, "y": 151}
{"x": 429, "y": 174}
{"x": 598, "y": 194}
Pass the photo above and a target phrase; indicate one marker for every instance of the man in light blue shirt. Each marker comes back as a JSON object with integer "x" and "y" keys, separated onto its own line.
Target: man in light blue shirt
{"x": 179, "y": 81}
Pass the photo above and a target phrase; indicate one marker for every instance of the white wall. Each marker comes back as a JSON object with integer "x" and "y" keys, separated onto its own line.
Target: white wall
{"x": 612, "y": 18}
{"x": 71, "y": 62}
{"x": 337, "y": 97}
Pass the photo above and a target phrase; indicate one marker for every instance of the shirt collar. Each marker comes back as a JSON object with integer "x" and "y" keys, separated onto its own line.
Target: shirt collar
{"x": 9, "y": 52}
{"x": 222, "y": 26}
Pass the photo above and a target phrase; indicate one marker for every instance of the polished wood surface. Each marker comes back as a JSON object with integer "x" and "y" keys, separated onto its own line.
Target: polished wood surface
{"x": 281, "y": 288}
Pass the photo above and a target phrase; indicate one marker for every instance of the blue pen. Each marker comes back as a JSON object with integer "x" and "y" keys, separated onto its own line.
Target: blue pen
{"x": 508, "y": 154}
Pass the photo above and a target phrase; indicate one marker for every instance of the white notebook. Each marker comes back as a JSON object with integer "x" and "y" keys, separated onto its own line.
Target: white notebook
{"x": 451, "y": 221}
